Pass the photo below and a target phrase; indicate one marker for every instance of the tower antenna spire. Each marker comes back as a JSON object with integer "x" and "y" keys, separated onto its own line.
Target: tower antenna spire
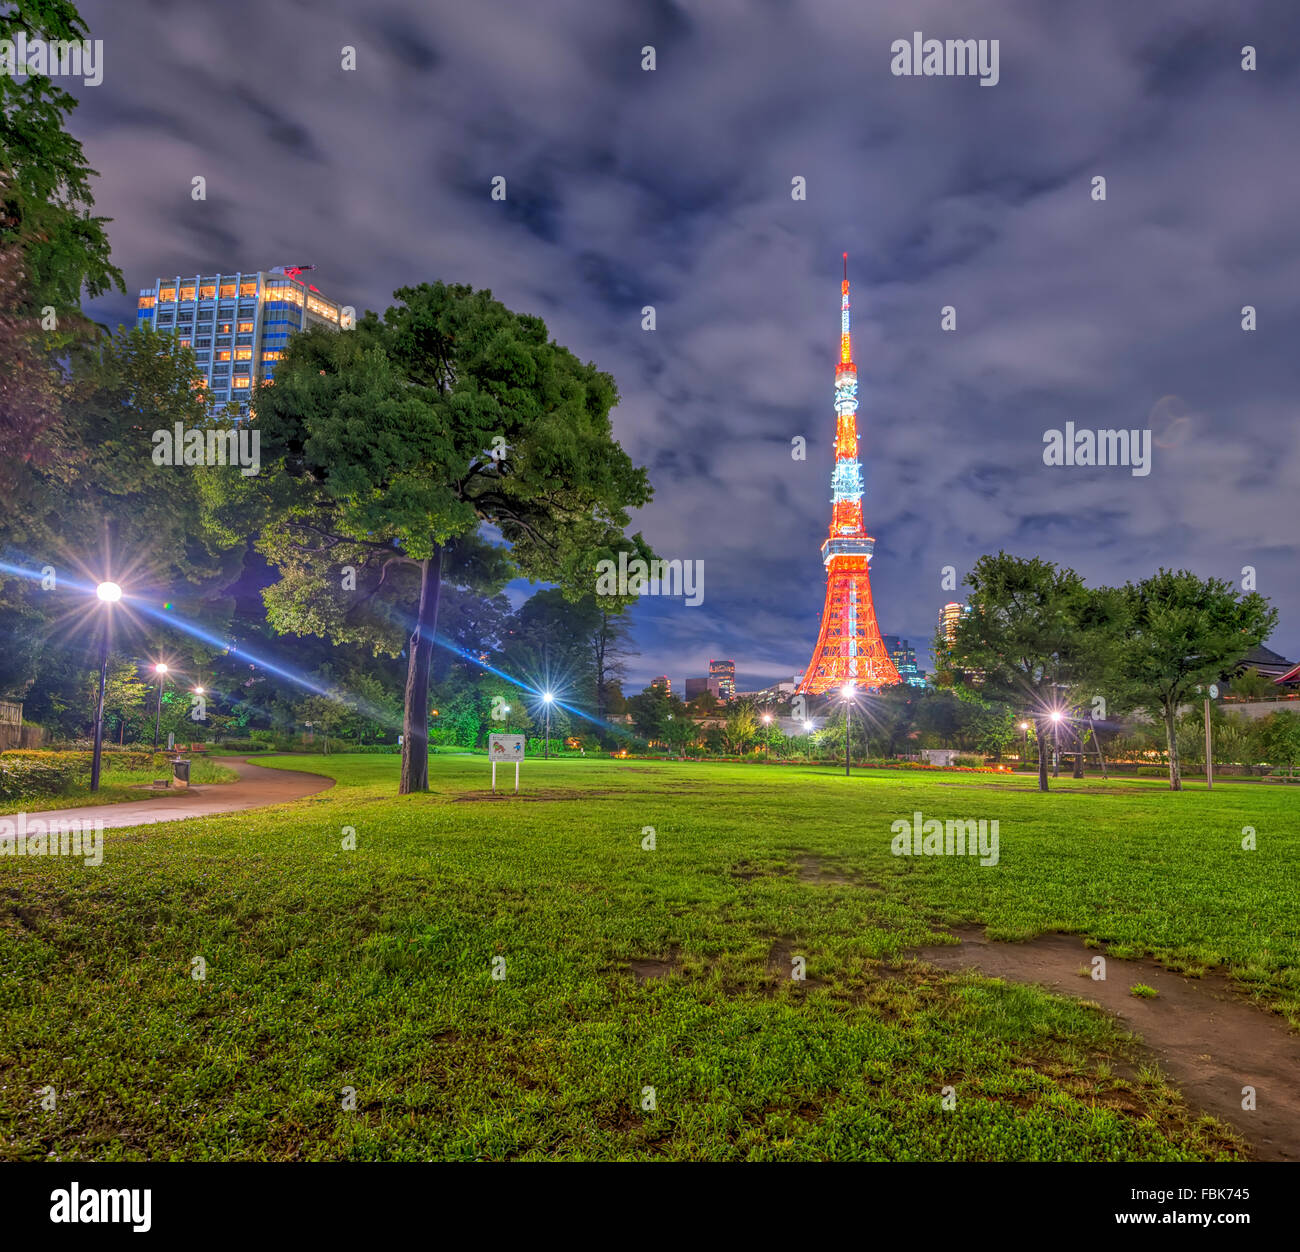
{"x": 850, "y": 651}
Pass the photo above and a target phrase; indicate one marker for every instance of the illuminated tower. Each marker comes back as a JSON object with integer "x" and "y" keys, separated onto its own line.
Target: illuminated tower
{"x": 849, "y": 647}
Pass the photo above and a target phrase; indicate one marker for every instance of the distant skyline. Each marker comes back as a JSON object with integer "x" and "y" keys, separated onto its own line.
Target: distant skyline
{"x": 671, "y": 188}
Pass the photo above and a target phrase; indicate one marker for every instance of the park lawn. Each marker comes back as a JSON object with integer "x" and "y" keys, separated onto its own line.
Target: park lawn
{"x": 331, "y": 971}
{"x": 119, "y": 785}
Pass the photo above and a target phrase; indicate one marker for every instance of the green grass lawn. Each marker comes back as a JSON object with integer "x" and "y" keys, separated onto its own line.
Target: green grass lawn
{"x": 119, "y": 784}
{"x": 372, "y": 970}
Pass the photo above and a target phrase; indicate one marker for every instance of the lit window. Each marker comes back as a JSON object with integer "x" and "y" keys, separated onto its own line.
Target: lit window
{"x": 241, "y": 382}
{"x": 145, "y": 302}
{"x": 243, "y": 354}
{"x": 271, "y": 356}
{"x": 223, "y": 356}
{"x": 208, "y": 292}
{"x": 227, "y": 291}
{"x": 185, "y": 343}
{"x": 245, "y": 328}
{"x": 224, "y": 328}
{"x": 248, "y": 289}
{"x": 167, "y": 295}
{"x": 187, "y": 293}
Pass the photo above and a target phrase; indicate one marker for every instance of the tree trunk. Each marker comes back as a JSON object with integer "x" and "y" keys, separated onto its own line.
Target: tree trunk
{"x": 1043, "y": 728}
{"x": 1175, "y": 778}
{"x": 419, "y": 656}
{"x": 1078, "y": 756}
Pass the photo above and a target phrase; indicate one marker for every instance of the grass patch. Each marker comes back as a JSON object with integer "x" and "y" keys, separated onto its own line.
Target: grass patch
{"x": 373, "y": 970}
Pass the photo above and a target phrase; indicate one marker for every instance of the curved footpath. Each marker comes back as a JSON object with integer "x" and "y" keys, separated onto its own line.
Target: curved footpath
{"x": 257, "y": 787}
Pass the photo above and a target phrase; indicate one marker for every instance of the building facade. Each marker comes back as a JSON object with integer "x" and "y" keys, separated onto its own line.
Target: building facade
{"x": 724, "y": 672}
{"x": 904, "y": 657}
{"x": 237, "y": 325}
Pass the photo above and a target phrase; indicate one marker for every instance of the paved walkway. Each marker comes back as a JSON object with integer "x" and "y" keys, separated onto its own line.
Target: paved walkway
{"x": 256, "y": 788}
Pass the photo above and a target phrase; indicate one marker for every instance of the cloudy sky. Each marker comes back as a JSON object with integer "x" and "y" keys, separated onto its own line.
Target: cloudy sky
{"x": 672, "y": 188}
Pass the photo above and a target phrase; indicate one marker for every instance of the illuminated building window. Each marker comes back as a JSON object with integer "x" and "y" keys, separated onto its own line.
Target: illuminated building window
{"x": 167, "y": 295}
{"x": 245, "y": 328}
{"x": 223, "y": 356}
{"x": 271, "y": 356}
{"x": 224, "y": 328}
{"x": 227, "y": 291}
{"x": 208, "y": 292}
{"x": 241, "y": 382}
{"x": 243, "y": 354}
{"x": 187, "y": 293}
{"x": 185, "y": 343}
{"x": 145, "y": 302}
{"x": 248, "y": 289}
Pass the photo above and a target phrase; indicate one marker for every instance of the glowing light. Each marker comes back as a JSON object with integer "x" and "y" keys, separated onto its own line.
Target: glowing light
{"x": 168, "y": 606}
{"x": 198, "y": 691}
{"x": 808, "y": 726}
{"x": 109, "y": 593}
{"x": 767, "y": 719}
{"x": 1024, "y": 725}
{"x": 160, "y": 668}
{"x": 1056, "y": 715}
{"x": 547, "y": 697}
{"x": 848, "y": 691}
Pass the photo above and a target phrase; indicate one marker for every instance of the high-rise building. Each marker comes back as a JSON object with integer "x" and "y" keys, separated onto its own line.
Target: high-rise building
{"x": 949, "y": 616}
{"x": 237, "y": 325}
{"x": 849, "y": 647}
{"x": 725, "y": 673}
{"x": 662, "y": 683}
{"x": 698, "y": 686}
{"x": 904, "y": 657}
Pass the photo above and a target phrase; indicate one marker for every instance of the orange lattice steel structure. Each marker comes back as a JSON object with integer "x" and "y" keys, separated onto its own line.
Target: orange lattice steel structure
{"x": 849, "y": 648}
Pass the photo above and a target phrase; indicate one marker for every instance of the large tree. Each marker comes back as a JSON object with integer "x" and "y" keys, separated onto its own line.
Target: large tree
{"x": 1035, "y": 637}
{"x": 1183, "y": 633}
{"x": 389, "y": 444}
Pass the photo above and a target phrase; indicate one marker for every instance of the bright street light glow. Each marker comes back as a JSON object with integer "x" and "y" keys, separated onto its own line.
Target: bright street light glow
{"x": 546, "y": 695}
{"x": 807, "y": 725}
{"x": 198, "y": 691}
{"x": 160, "y": 668}
{"x": 847, "y": 691}
{"x": 767, "y": 717}
{"x": 110, "y": 593}
{"x": 1024, "y": 725}
{"x": 1056, "y": 715}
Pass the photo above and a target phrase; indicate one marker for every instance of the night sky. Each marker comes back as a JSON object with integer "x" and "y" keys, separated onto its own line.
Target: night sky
{"x": 672, "y": 188}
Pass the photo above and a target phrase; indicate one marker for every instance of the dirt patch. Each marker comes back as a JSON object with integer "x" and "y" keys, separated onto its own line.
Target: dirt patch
{"x": 1205, "y": 1038}
{"x": 647, "y": 969}
{"x": 781, "y": 966}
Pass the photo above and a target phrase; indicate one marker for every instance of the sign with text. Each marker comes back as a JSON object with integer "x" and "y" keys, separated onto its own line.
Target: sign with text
{"x": 506, "y": 747}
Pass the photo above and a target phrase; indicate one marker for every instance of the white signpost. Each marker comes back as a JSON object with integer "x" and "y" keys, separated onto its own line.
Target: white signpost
{"x": 505, "y": 748}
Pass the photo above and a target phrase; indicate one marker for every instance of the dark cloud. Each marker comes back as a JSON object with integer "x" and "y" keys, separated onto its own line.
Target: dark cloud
{"x": 672, "y": 188}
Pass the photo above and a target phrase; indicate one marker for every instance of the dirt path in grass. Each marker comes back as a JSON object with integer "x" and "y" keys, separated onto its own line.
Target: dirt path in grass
{"x": 256, "y": 788}
{"x": 1206, "y": 1039}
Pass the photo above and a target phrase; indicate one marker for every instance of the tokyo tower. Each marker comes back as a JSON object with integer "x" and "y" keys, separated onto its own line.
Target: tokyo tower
{"x": 849, "y": 648}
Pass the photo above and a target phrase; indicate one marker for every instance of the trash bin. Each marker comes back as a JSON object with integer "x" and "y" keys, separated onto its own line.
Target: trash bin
{"x": 180, "y": 772}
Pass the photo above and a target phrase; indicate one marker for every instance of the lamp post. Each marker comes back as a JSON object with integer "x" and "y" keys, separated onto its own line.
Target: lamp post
{"x": 547, "y": 697}
{"x": 1024, "y": 730}
{"x": 1056, "y": 743}
{"x": 108, "y": 595}
{"x": 161, "y": 670}
{"x": 847, "y": 692}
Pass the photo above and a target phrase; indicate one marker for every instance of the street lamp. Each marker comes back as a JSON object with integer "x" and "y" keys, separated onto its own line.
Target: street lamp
{"x": 547, "y": 697}
{"x": 1056, "y": 742}
{"x": 108, "y": 594}
{"x": 1024, "y": 730}
{"x": 161, "y": 670}
{"x": 847, "y": 692}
